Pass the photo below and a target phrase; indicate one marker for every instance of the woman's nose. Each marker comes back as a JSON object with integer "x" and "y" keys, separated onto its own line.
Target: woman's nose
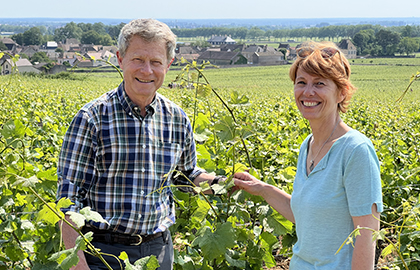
{"x": 309, "y": 90}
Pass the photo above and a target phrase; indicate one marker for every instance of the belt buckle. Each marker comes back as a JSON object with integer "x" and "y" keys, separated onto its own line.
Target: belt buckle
{"x": 139, "y": 242}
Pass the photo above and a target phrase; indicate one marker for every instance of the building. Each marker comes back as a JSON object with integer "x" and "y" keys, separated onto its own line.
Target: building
{"x": 221, "y": 40}
{"x": 348, "y": 48}
{"x": 222, "y": 58}
{"x": 22, "y": 65}
{"x": 268, "y": 58}
{"x": 10, "y": 43}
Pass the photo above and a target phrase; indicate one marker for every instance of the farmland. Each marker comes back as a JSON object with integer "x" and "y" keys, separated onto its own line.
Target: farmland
{"x": 263, "y": 133}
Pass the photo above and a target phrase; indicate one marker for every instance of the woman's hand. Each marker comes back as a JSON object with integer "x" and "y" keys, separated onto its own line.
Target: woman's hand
{"x": 249, "y": 183}
{"x": 275, "y": 197}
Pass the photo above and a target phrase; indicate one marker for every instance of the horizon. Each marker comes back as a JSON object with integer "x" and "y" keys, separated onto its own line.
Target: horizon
{"x": 224, "y": 22}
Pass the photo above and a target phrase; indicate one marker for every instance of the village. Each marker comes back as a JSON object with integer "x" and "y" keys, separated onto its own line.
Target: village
{"x": 223, "y": 51}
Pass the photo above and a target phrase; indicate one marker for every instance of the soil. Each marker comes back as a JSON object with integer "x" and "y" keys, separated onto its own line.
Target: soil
{"x": 282, "y": 263}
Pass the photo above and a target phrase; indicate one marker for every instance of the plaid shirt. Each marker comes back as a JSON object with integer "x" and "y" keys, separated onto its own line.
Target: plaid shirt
{"x": 118, "y": 163}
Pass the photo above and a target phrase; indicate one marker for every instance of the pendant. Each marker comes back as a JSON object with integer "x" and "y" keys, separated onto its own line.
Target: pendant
{"x": 311, "y": 167}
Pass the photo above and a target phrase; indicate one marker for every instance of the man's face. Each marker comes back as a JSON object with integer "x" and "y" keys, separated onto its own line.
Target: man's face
{"x": 144, "y": 67}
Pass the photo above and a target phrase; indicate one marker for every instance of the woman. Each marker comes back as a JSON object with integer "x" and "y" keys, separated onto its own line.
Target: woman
{"x": 337, "y": 185}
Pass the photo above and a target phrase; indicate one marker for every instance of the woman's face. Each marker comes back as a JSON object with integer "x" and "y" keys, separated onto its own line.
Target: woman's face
{"x": 317, "y": 98}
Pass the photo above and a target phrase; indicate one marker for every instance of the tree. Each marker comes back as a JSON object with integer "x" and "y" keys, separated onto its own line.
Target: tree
{"x": 408, "y": 45}
{"x": 364, "y": 40}
{"x": 114, "y": 30}
{"x": 3, "y": 47}
{"x": 60, "y": 51}
{"x": 255, "y": 33}
{"x": 388, "y": 40}
{"x": 106, "y": 40}
{"x": 18, "y": 38}
{"x": 99, "y": 28}
{"x": 240, "y": 33}
{"x": 91, "y": 37}
{"x": 71, "y": 30}
{"x": 40, "y": 57}
{"x": 407, "y": 31}
{"x": 32, "y": 36}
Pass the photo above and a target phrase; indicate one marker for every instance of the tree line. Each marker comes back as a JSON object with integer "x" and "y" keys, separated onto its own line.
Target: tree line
{"x": 86, "y": 33}
{"x": 369, "y": 39}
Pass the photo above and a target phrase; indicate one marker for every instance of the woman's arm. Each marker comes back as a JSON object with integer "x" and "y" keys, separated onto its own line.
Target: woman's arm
{"x": 277, "y": 198}
{"x": 364, "y": 250}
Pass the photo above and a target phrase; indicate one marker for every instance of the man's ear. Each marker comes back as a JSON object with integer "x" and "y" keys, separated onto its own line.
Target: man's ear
{"x": 120, "y": 58}
{"x": 170, "y": 63}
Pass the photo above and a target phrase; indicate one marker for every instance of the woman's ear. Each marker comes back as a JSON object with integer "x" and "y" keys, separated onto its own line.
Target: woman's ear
{"x": 343, "y": 94}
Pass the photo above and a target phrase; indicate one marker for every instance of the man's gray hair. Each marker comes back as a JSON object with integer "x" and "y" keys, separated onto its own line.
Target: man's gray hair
{"x": 149, "y": 30}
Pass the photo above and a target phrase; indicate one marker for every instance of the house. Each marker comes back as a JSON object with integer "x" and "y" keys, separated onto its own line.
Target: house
{"x": 51, "y": 45}
{"x": 268, "y": 57}
{"x": 222, "y": 58}
{"x": 348, "y": 48}
{"x": 69, "y": 57}
{"x": 102, "y": 55}
{"x": 53, "y": 69}
{"x": 292, "y": 53}
{"x": 29, "y": 50}
{"x": 249, "y": 50}
{"x": 10, "y": 43}
{"x": 220, "y": 40}
{"x": 86, "y": 48}
{"x": 111, "y": 49}
{"x": 22, "y": 65}
{"x": 71, "y": 41}
{"x": 284, "y": 47}
{"x": 232, "y": 47}
{"x": 186, "y": 52}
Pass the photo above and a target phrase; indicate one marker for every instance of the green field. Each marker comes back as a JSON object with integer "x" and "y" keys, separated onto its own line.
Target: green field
{"x": 263, "y": 132}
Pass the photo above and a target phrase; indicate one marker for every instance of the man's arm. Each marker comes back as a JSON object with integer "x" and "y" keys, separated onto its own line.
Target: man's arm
{"x": 205, "y": 177}
{"x": 69, "y": 239}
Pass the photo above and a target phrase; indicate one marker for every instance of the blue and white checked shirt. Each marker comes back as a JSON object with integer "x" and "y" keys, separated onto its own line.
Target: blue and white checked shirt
{"x": 117, "y": 162}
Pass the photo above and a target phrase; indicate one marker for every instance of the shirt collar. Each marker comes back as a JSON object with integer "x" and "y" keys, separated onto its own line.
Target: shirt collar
{"x": 130, "y": 107}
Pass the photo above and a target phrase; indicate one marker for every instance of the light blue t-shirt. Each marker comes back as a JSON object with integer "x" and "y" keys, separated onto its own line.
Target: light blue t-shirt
{"x": 345, "y": 183}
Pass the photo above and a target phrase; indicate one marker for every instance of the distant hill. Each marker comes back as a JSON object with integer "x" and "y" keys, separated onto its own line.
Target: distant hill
{"x": 194, "y": 23}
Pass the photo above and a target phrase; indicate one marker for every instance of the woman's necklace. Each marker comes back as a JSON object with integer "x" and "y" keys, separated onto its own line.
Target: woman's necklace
{"x": 312, "y": 161}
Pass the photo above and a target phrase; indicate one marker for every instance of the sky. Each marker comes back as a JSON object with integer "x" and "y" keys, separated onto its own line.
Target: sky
{"x": 214, "y": 9}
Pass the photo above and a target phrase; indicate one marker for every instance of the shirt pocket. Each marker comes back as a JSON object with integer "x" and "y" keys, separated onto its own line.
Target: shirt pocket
{"x": 164, "y": 158}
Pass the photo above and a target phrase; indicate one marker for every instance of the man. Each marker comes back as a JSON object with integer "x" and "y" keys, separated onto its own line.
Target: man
{"x": 120, "y": 150}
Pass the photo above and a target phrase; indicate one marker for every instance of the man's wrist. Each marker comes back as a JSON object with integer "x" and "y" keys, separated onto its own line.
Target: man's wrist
{"x": 217, "y": 179}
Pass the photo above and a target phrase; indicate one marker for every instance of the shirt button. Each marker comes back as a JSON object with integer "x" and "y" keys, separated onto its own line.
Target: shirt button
{"x": 129, "y": 113}
{"x": 144, "y": 146}
{"x": 143, "y": 169}
{"x": 142, "y": 192}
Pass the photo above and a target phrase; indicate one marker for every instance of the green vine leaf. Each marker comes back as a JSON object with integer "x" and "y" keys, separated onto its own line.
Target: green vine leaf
{"x": 215, "y": 244}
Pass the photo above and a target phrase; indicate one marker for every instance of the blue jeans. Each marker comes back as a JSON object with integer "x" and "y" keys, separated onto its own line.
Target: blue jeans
{"x": 161, "y": 247}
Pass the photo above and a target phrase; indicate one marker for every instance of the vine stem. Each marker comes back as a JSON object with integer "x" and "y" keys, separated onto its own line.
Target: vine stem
{"x": 194, "y": 185}
{"x": 95, "y": 251}
{"x": 386, "y": 238}
{"x": 20, "y": 244}
{"x": 229, "y": 110}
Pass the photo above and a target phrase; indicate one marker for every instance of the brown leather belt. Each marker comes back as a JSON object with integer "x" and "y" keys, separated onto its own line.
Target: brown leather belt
{"x": 108, "y": 237}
